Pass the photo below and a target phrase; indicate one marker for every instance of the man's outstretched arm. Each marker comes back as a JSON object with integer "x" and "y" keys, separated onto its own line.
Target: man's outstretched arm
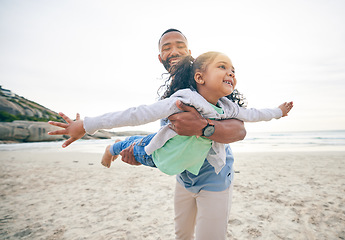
{"x": 190, "y": 123}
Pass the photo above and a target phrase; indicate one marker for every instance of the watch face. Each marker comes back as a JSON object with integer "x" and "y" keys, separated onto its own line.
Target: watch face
{"x": 208, "y": 131}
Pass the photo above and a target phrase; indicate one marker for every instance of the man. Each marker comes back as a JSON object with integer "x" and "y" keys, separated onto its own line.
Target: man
{"x": 203, "y": 201}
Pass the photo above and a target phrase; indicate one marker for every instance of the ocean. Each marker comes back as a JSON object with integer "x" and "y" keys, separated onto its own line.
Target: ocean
{"x": 292, "y": 141}
{"x": 254, "y": 142}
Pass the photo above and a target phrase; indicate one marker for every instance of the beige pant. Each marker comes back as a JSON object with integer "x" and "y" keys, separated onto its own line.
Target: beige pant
{"x": 205, "y": 212}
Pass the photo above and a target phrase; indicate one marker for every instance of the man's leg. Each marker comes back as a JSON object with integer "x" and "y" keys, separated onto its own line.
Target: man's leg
{"x": 213, "y": 214}
{"x": 185, "y": 213}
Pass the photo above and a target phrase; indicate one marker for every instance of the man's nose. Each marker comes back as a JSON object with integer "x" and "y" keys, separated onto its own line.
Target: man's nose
{"x": 174, "y": 51}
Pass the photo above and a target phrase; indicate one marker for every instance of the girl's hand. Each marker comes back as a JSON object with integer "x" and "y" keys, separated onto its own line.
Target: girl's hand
{"x": 74, "y": 129}
{"x": 286, "y": 107}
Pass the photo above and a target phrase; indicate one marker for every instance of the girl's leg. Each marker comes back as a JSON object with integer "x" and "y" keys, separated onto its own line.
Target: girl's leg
{"x": 213, "y": 214}
{"x": 185, "y": 213}
{"x": 113, "y": 151}
{"x": 140, "y": 142}
{"x": 139, "y": 151}
{"x": 118, "y": 146}
{"x": 108, "y": 157}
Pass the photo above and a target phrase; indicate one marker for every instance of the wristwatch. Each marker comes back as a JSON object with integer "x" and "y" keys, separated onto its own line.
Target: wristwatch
{"x": 209, "y": 129}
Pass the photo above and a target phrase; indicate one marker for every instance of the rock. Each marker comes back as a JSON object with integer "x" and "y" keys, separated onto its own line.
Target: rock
{"x": 10, "y": 131}
{"x": 29, "y": 131}
{"x": 14, "y": 107}
{"x": 10, "y": 107}
{"x": 22, "y": 108}
{"x": 26, "y": 131}
{"x": 35, "y": 128}
{"x": 102, "y": 135}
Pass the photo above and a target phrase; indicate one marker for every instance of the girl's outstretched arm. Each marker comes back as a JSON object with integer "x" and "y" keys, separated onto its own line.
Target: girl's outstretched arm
{"x": 286, "y": 107}
{"x": 74, "y": 129}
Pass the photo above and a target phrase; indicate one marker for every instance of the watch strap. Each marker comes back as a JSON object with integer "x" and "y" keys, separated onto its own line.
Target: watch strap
{"x": 209, "y": 123}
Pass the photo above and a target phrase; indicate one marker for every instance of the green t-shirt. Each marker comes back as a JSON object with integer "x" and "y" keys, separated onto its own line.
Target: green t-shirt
{"x": 183, "y": 153}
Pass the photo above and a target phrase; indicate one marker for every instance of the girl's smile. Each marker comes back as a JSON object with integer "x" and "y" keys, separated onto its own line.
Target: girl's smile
{"x": 230, "y": 82}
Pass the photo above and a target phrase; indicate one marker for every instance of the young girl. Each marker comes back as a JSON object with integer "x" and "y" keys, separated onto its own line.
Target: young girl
{"x": 207, "y": 83}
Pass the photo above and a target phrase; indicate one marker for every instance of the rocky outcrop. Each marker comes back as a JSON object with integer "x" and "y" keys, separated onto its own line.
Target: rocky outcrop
{"x": 22, "y": 120}
{"x": 14, "y": 107}
{"x": 27, "y": 131}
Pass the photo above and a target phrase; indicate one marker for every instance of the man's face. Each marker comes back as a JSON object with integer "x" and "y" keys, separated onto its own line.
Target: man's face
{"x": 172, "y": 47}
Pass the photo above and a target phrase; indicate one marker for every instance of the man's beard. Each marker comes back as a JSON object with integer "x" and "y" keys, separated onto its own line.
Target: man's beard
{"x": 166, "y": 63}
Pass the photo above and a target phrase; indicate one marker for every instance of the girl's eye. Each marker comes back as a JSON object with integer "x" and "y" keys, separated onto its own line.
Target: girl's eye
{"x": 222, "y": 66}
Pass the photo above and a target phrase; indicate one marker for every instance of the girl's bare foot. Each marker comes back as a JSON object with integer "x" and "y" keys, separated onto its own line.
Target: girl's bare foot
{"x": 107, "y": 157}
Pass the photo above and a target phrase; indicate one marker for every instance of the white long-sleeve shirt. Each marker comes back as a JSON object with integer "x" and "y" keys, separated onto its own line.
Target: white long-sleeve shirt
{"x": 148, "y": 113}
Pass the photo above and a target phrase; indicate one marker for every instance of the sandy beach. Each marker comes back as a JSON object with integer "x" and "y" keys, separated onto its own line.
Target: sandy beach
{"x": 66, "y": 194}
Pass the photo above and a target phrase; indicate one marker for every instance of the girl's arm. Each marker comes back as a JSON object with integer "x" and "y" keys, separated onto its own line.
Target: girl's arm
{"x": 74, "y": 129}
{"x": 286, "y": 107}
{"x": 256, "y": 115}
{"x": 134, "y": 116}
{"x": 131, "y": 117}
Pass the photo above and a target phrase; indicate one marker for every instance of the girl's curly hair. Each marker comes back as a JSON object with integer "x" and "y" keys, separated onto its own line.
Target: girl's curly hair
{"x": 182, "y": 76}
{"x": 238, "y": 98}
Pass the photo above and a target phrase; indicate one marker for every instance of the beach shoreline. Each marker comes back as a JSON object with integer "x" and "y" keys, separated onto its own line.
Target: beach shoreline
{"x": 68, "y": 194}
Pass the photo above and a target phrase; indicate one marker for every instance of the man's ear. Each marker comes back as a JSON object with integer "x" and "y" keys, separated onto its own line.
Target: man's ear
{"x": 198, "y": 78}
{"x": 159, "y": 57}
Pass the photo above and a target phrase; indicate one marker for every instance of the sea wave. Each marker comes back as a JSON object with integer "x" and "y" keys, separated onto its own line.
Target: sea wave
{"x": 293, "y": 141}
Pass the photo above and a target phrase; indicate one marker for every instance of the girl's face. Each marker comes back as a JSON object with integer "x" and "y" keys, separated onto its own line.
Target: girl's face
{"x": 218, "y": 79}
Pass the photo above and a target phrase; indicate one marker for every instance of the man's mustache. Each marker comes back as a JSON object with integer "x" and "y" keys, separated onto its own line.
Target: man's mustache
{"x": 174, "y": 56}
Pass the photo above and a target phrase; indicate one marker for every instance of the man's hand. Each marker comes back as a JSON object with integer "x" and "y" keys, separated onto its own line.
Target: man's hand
{"x": 128, "y": 157}
{"x": 187, "y": 123}
{"x": 74, "y": 129}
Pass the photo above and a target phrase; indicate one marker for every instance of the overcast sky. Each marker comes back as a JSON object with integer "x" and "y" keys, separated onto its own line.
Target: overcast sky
{"x": 94, "y": 57}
